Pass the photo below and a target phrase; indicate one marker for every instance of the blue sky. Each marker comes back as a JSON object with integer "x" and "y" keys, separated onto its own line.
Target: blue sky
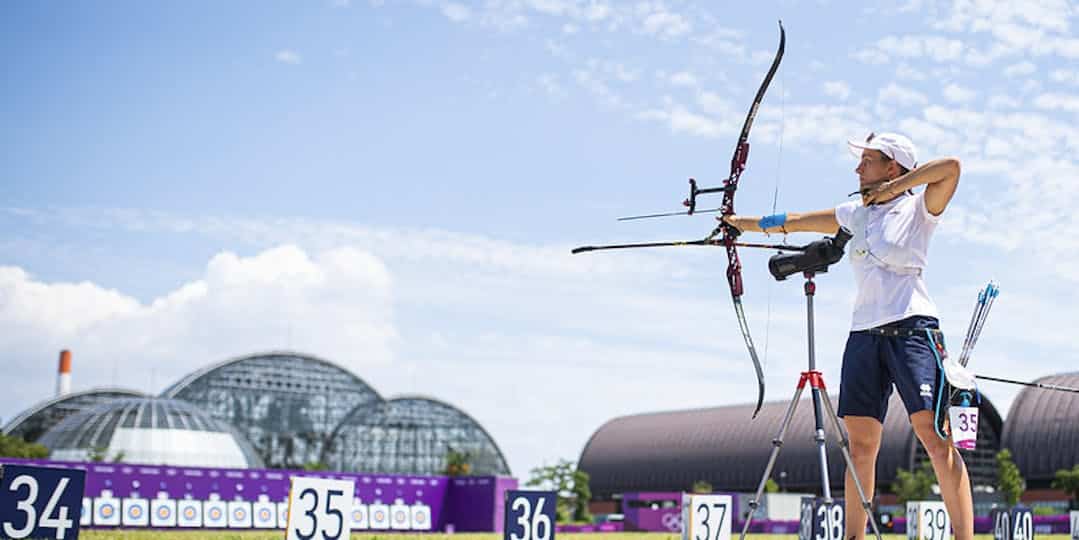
{"x": 396, "y": 186}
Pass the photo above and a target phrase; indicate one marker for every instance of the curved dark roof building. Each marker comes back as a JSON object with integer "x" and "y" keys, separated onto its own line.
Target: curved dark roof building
{"x": 1042, "y": 419}
{"x": 411, "y": 435}
{"x": 36, "y": 420}
{"x": 285, "y": 403}
{"x": 149, "y": 430}
{"x": 669, "y": 451}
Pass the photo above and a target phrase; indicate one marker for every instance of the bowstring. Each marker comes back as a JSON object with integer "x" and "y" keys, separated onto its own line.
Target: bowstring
{"x": 775, "y": 201}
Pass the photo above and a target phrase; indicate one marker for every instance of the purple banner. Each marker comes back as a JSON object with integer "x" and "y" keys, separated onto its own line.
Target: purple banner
{"x": 464, "y": 504}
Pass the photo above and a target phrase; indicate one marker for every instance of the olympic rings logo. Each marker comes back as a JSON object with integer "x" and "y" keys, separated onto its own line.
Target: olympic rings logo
{"x": 673, "y": 522}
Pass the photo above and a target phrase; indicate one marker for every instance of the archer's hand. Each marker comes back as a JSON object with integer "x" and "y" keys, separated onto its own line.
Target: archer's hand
{"x": 881, "y": 192}
{"x": 742, "y": 223}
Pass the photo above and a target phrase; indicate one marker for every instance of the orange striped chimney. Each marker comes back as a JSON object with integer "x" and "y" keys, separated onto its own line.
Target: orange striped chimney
{"x": 63, "y": 374}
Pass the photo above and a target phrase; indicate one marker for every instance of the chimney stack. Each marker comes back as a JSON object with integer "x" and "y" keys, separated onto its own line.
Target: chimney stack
{"x": 63, "y": 374}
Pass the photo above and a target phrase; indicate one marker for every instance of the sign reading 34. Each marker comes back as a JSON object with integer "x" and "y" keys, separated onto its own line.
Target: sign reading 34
{"x": 40, "y": 502}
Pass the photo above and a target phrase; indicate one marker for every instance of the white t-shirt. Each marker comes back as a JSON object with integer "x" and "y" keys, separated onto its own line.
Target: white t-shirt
{"x": 888, "y": 254}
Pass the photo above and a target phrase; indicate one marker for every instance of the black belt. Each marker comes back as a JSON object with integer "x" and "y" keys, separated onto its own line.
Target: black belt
{"x": 896, "y": 331}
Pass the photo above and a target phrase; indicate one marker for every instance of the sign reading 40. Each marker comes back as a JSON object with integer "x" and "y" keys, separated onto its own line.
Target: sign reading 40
{"x": 40, "y": 502}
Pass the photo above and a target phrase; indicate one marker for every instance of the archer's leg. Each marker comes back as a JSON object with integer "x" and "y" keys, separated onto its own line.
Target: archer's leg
{"x": 951, "y": 475}
{"x": 865, "y": 435}
{"x": 864, "y": 389}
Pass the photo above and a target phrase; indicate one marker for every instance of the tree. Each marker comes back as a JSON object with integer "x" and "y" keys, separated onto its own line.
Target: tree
{"x": 770, "y": 486}
{"x": 316, "y": 466}
{"x": 1009, "y": 482}
{"x": 457, "y": 463}
{"x": 914, "y": 486}
{"x": 1068, "y": 481}
{"x": 16, "y": 447}
{"x": 701, "y": 486}
{"x": 570, "y": 484}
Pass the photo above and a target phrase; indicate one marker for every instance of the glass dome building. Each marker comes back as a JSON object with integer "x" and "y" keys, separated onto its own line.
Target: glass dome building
{"x": 411, "y": 435}
{"x": 285, "y": 403}
{"x": 153, "y": 431}
{"x": 36, "y": 420}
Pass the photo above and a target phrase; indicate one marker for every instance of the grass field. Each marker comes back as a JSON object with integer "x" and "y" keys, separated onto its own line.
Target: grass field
{"x": 278, "y": 535}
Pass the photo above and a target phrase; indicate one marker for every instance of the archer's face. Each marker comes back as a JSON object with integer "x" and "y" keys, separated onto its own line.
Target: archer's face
{"x": 874, "y": 168}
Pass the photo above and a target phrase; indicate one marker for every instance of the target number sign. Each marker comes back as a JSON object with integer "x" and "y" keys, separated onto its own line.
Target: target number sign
{"x": 318, "y": 508}
{"x": 1075, "y": 524}
{"x": 821, "y": 520}
{"x": 40, "y": 502}
{"x": 928, "y": 520}
{"x": 530, "y": 515}
{"x": 706, "y": 517}
{"x": 1016, "y": 523}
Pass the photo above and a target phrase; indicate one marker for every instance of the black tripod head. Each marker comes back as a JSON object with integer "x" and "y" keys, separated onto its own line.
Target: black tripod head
{"x": 815, "y": 258}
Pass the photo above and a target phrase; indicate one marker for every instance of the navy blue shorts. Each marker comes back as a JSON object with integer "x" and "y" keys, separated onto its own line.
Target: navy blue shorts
{"x": 873, "y": 362}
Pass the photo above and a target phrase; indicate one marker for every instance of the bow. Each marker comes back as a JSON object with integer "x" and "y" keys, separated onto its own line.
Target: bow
{"x": 728, "y": 234}
{"x": 725, "y": 234}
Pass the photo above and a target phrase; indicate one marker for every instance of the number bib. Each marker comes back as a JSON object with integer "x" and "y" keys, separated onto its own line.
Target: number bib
{"x": 964, "y": 423}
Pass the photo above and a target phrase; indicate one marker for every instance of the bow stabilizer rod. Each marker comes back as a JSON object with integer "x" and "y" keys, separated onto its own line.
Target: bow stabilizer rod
{"x": 1043, "y": 386}
{"x": 705, "y": 242}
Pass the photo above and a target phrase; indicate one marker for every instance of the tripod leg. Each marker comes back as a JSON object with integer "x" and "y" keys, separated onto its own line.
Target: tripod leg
{"x": 777, "y": 443}
{"x": 844, "y": 445}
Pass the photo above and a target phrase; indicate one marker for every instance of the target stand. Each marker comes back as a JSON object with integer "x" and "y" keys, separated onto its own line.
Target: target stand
{"x": 821, "y": 404}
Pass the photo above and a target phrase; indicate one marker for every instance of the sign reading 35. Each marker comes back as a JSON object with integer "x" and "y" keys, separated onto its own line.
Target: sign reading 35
{"x": 317, "y": 508}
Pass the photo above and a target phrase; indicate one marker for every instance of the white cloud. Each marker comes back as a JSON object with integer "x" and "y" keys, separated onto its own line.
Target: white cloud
{"x": 286, "y": 56}
{"x": 837, "y": 89}
{"x": 901, "y": 95}
{"x": 656, "y": 20}
{"x": 1058, "y": 102}
{"x": 456, "y": 12}
{"x": 958, "y": 94}
{"x": 1021, "y": 69}
{"x": 683, "y": 78}
{"x": 1003, "y": 102}
{"x": 336, "y": 300}
{"x": 589, "y": 80}
{"x": 551, "y": 86}
{"x": 681, "y": 120}
{"x": 937, "y": 48}
{"x": 1065, "y": 76}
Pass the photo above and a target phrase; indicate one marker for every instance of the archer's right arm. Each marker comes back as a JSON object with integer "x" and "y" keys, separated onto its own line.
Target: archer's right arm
{"x": 821, "y": 221}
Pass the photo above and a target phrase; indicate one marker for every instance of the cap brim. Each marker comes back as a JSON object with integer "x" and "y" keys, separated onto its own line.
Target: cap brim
{"x": 857, "y": 147}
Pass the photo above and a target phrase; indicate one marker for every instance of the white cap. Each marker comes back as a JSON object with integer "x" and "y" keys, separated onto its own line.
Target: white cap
{"x": 893, "y": 145}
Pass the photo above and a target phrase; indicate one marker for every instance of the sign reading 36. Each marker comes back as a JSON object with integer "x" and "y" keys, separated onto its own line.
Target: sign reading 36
{"x": 530, "y": 515}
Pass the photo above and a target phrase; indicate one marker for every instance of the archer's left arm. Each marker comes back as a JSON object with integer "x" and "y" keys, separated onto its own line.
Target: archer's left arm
{"x": 940, "y": 178}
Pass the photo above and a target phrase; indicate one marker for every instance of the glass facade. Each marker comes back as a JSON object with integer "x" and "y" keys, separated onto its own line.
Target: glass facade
{"x": 151, "y": 431}
{"x": 411, "y": 435}
{"x": 285, "y": 409}
{"x": 33, "y": 423}
{"x": 286, "y": 404}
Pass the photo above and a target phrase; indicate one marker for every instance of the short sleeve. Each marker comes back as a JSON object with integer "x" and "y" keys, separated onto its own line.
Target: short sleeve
{"x": 923, "y": 210}
{"x": 844, "y": 213}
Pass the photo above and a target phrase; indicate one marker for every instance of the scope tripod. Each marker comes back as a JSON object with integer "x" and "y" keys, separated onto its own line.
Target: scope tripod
{"x": 820, "y": 400}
